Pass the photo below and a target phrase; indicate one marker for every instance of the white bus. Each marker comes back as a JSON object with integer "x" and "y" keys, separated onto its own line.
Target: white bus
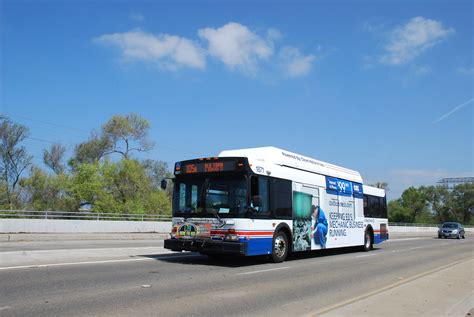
{"x": 270, "y": 201}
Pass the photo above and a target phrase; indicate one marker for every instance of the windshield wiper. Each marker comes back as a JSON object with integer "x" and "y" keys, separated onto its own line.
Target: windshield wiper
{"x": 221, "y": 222}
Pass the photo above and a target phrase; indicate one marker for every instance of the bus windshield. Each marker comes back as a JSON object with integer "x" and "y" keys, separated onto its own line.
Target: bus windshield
{"x": 224, "y": 195}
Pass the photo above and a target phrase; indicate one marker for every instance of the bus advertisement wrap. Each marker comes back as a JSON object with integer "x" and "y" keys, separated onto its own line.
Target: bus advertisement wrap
{"x": 327, "y": 221}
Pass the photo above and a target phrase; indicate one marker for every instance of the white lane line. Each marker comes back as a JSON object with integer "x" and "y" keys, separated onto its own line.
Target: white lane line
{"x": 407, "y": 239}
{"x": 75, "y": 250}
{"x": 94, "y": 262}
{"x": 5, "y": 308}
{"x": 365, "y": 255}
{"x": 261, "y": 271}
{"x": 416, "y": 248}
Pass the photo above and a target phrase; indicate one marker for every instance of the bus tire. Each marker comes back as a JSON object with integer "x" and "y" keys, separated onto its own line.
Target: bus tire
{"x": 368, "y": 243}
{"x": 279, "y": 247}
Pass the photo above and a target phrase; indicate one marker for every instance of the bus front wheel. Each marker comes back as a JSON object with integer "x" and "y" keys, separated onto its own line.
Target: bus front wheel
{"x": 280, "y": 247}
{"x": 368, "y": 244}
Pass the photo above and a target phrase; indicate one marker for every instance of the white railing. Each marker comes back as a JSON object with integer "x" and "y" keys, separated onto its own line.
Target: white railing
{"x": 65, "y": 215}
{"x": 428, "y": 225}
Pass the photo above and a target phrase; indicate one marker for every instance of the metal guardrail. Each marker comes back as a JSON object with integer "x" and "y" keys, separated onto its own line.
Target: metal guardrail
{"x": 428, "y": 225}
{"x": 406, "y": 224}
{"x": 68, "y": 215}
{"x": 64, "y": 215}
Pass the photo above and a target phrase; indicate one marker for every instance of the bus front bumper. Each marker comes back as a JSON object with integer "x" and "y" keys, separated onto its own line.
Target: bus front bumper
{"x": 206, "y": 246}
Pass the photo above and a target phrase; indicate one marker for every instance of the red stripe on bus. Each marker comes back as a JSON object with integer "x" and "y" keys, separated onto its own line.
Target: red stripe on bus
{"x": 244, "y": 233}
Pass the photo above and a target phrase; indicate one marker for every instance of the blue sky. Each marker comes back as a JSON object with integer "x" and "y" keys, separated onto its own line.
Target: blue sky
{"x": 385, "y": 88}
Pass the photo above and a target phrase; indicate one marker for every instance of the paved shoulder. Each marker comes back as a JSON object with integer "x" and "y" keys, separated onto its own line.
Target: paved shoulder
{"x": 445, "y": 292}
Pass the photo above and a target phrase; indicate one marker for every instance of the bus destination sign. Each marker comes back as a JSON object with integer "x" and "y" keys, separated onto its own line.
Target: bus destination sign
{"x": 206, "y": 167}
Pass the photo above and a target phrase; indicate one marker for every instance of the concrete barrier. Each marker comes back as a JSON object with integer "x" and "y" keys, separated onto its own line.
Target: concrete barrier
{"x": 104, "y": 226}
{"x": 418, "y": 230}
{"x": 81, "y": 226}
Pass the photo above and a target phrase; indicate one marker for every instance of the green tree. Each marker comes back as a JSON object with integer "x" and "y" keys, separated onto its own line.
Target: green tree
{"x": 133, "y": 189}
{"x": 121, "y": 135}
{"x": 397, "y": 212}
{"x": 127, "y": 134}
{"x": 86, "y": 185}
{"x": 90, "y": 151}
{"x": 382, "y": 185}
{"x": 46, "y": 192}
{"x": 120, "y": 187}
{"x": 463, "y": 202}
{"x": 412, "y": 206}
{"x": 53, "y": 158}
{"x": 156, "y": 171}
{"x": 14, "y": 159}
{"x": 439, "y": 200}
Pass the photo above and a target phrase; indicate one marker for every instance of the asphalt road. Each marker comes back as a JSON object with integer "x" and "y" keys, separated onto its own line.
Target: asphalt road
{"x": 141, "y": 283}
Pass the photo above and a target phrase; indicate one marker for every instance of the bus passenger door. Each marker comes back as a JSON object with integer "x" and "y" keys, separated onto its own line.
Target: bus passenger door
{"x": 305, "y": 198}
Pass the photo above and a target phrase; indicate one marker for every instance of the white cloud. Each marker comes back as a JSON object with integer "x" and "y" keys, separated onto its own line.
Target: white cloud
{"x": 466, "y": 70}
{"x": 423, "y": 70}
{"x": 294, "y": 63}
{"x": 136, "y": 16}
{"x": 408, "y": 41}
{"x": 235, "y": 45}
{"x": 238, "y": 47}
{"x": 274, "y": 35}
{"x": 168, "y": 51}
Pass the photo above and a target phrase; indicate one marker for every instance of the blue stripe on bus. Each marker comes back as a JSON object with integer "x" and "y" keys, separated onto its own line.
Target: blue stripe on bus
{"x": 259, "y": 246}
{"x": 378, "y": 238}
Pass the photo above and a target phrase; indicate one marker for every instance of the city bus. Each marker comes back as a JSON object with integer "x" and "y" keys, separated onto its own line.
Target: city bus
{"x": 269, "y": 201}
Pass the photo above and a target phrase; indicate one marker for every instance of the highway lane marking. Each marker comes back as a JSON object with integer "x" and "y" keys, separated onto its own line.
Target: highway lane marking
{"x": 94, "y": 262}
{"x": 261, "y": 271}
{"x": 406, "y": 239}
{"x": 5, "y": 308}
{"x": 365, "y": 255}
{"x": 385, "y": 288}
{"x": 91, "y": 249}
{"x": 416, "y": 248}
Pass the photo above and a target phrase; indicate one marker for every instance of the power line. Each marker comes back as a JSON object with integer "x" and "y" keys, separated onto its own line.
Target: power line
{"x": 46, "y": 122}
{"x": 82, "y": 130}
{"x": 41, "y": 140}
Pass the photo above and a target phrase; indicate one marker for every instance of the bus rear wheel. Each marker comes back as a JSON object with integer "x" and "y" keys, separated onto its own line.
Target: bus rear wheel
{"x": 279, "y": 247}
{"x": 368, "y": 244}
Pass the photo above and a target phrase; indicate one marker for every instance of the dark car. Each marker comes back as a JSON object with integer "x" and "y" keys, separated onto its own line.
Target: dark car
{"x": 451, "y": 230}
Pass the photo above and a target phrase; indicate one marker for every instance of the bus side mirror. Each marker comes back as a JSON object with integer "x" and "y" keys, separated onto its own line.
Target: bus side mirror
{"x": 163, "y": 184}
{"x": 257, "y": 201}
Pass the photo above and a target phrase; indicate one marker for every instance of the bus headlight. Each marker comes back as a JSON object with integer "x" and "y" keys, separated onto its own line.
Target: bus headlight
{"x": 231, "y": 237}
{"x": 174, "y": 230}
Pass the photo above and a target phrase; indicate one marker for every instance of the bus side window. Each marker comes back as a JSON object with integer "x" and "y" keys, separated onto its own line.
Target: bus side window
{"x": 374, "y": 206}
{"x": 383, "y": 207}
{"x": 281, "y": 198}
{"x": 366, "y": 207}
{"x": 259, "y": 186}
